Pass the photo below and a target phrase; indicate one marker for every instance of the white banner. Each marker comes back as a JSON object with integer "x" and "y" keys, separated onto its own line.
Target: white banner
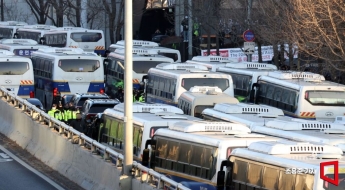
{"x": 237, "y": 53}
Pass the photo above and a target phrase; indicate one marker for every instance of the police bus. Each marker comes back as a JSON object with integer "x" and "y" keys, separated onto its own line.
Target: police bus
{"x": 283, "y": 165}
{"x": 243, "y": 74}
{"x": 271, "y": 121}
{"x": 212, "y": 62}
{"x": 143, "y": 60}
{"x": 61, "y": 71}
{"x": 8, "y": 29}
{"x": 198, "y": 98}
{"x": 167, "y": 52}
{"x": 191, "y": 152}
{"x": 147, "y": 119}
{"x": 34, "y": 32}
{"x": 76, "y": 37}
{"x": 301, "y": 94}
{"x": 16, "y": 74}
{"x": 168, "y": 81}
{"x": 21, "y": 47}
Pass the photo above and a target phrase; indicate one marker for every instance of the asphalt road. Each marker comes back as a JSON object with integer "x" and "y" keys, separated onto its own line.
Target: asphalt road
{"x": 19, "y": 170}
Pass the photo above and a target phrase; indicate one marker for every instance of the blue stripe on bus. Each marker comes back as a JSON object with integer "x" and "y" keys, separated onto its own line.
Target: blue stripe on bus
{"x": 95, "y": 87}
{"x": 101, "y": 51}
{"x": 24, "y": 90}
{"x": 61, "y": 86}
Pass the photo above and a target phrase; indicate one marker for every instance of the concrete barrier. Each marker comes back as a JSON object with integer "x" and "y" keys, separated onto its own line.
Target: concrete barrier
{"x": 67, "y": 154}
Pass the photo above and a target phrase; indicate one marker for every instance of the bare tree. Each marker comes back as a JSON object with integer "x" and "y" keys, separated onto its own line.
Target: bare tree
{"x": 319, "y": 28}
{"x": 40, "y": 9}
{"x": 60, "y": 7}
{"x": 73, "y": 12}
{"x": 114, "y": 11}
{"x": 13, "y": 12}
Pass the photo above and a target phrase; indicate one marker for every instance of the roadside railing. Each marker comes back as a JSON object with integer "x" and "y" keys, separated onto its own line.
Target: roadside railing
{"x": 145, "y": 174}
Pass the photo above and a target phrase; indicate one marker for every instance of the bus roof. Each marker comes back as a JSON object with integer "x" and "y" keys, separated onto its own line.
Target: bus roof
{"x": 214, "y": 59}
{"x": 212, "y": 133}
{"x": 248, "y": 72}
{"x": 290, "y": 154}
{"x": 5, "y": 53}
{"x": 70, "y": 30}
{"x": 136, "y": 43}
{"x": 53, "y": 52}
{"x": 251, "y": 65}
{"x": 188, "y": 73}
{"x": 18, "y": 41}
{"x": 153, "y": 114}
{"x": 13, "y": 23}
{"x": 298, "y": 83}
{"x": 207, "y": 98}
{"x": 38, "y": 27}
{"x": 139, "y": 57}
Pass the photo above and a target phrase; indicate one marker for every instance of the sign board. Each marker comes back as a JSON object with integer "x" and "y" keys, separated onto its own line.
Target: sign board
{"x": 248, "y": 36}
{"x": 249, "y": 47}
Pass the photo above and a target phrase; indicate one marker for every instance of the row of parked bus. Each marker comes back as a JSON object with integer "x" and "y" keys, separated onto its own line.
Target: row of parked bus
{"x": 232, "y": 146}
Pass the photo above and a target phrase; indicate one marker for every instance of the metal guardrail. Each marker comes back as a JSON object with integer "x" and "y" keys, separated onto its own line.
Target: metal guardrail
{"x": 146, "y": 175}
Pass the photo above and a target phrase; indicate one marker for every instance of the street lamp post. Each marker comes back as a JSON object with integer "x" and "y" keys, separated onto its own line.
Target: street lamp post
{"x": 250, "y": 3}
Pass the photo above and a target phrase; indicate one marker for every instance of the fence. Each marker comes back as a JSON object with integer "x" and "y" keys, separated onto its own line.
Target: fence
{"x": 144, "y": 174}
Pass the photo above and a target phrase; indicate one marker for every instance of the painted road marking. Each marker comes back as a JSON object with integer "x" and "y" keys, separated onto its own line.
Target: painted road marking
{"x": 5, "y": 158}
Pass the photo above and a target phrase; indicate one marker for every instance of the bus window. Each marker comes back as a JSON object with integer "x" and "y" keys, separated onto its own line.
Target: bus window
{"x": 144, "y": 66}
{"x": 14, "y": 68}
{"x": 221, "y": 83}
{"x": 326, "y": 98}
{"x": 329, "y": 186}
{"x": 75, "y": 65}
{"x": 86, "y": 37}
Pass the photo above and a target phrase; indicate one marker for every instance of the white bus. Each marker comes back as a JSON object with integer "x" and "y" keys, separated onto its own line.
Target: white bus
{"x": 212, "y": 62}
{"x": 198, "y": 98}
{"x": 61, "y": 71}
{"x": 168, "y": 81}
{"x": 143, "y": 60}
{"x": 301, "y": 94}
{"x": 243, "y": 74}
{"x": 34, "y": 32}
{"x": 147, "y": 119}
{"x": 271, "y": 121}
{"x": 167, "y": 52}
{"x": 283, "y": 166}
{"x": 8, "y": 29}
{"x": 21, "y": 47}
{"x": 191, "y": 152}
{"x": 76, "y": 37}
{"x": 16, "y": 74}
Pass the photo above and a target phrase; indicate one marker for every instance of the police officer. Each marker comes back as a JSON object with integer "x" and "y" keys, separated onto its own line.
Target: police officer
{"x": 52, "y": 111}
{"x": 67, "y": 113}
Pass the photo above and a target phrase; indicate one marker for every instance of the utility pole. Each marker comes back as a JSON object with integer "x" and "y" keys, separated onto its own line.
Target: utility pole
{"x": 250, "y": 3}
{"x": 128, "y": 156}
{"x": 2, "y": 11}
{"x": 190, "y": 30}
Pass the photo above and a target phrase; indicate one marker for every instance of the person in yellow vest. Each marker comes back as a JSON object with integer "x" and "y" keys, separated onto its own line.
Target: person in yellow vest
{"x": 67, "y": 114}
{"x": 58, "y": 115}
{"x": 52, "y": 111}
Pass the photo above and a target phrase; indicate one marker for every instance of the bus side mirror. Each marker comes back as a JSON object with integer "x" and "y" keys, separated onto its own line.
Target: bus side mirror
{"x": 145, "y": 158}
{"x": 253, "y": 91}
{"x": 15, "y": 35}
{"x": 43, "y": 41}
{"x": 220, "y": 180}
{"x": 105, "y": 62}
{"x": 153, "y": 159}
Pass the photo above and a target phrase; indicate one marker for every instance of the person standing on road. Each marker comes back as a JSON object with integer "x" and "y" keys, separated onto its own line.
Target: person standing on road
{"x": 184, "y": 24}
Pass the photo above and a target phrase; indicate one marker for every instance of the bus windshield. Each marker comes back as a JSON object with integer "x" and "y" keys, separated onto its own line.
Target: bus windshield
{"x": 198, "y": 110}
{"x": 78, "y": 65}
{"x": 329, "y": 186}
{"x": 144, "y": 66}
{"x": 222, "y": 83}
{"x": 326, "y": 98}
{"x": 13, "y": 68}
{"x": 86, "y": 36}
{"x": 6, "y": 33}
